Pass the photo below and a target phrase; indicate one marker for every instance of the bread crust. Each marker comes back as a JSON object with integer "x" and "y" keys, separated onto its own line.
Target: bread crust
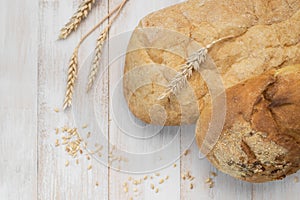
{"x": 260, "y": 140}
{"x": 266, "y": 35}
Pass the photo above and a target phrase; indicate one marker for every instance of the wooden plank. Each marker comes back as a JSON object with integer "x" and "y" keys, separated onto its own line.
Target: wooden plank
{"x": 287, "y": 188}
{"x": 54, "y": 179}
{"x": 18, "y": 106}
{"x": 122, "y": 124}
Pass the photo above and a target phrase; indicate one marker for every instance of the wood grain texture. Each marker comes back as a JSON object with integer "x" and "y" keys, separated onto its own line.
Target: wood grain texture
{"x": 18, "y": 114}
{"x": 119, "y": 136}
{"x": 33, "y": 72}
{"x": 54, "y": 179}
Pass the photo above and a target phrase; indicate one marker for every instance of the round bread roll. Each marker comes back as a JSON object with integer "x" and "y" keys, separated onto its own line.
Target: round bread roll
{"x": 265, "y": 35}
{"x": 260, "y": 140}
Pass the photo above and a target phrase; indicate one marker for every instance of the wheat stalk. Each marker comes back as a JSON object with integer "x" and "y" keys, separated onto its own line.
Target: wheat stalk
{"x": 82, "y": 12}
{"x": 73, "y": 65}
{"x": 99, "y": 46}
{"x": 193, "y": 63}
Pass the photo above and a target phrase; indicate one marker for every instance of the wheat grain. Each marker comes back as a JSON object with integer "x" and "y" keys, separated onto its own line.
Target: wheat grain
{"x": 161, "y": 181}
{"x": 208, "y": 180}
{"x": 82, "y": 12}
{"x": 152, "y": 186}
{"x": 72, "y": 75}
{"x": 73, "y": 65}
{"x": 98, "y": 50}
{"x": 193, "y": 63}
{"x": 214, "y": 174}
{"x": 191, "y": 186}
{"x": 186, "y": 152}
{"x": 67, "y": 163}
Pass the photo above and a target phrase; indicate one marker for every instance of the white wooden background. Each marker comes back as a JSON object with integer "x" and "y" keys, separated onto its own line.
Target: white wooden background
{"x": 32, "y": 83}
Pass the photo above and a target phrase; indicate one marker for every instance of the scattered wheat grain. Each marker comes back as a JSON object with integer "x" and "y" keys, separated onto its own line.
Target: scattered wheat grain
{"x": 56, "y": 142}
{"x": 152, "y": 186}
{"x": 213, "y": 174}
{"x": 191, "y": 186}
{"x": 186, "y": 152}
{"x": 84, "y": 126}
{"x": 208, "y": 180}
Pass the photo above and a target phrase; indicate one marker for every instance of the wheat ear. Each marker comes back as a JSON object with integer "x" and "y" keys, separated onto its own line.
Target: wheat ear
{"x": 82, "y": 12}
{"x": 72, "y": 75}
{"x": 73, "y": 65}
{"x": 99, "y": 46}
{"x": 193, "y": 63}
{"x": 98, "y": 51}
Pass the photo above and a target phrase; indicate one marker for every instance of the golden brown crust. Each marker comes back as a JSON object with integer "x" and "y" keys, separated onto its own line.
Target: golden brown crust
{"x": 266, "y": 36}
{"x": 260, "y": 140}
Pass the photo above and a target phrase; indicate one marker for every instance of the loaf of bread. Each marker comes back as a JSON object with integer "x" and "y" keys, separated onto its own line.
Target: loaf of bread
{"x": 266, "y": 35}
{"x": 260, "y": 140}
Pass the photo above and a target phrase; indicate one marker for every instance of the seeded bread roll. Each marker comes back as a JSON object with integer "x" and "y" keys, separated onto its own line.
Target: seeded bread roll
{"x": 266, "y": 34}
{"x": 260, "y": 140}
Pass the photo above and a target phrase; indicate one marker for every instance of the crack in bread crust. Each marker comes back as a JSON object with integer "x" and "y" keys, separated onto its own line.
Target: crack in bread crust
{"x": 247, "y": 149}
